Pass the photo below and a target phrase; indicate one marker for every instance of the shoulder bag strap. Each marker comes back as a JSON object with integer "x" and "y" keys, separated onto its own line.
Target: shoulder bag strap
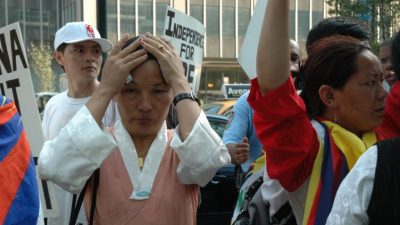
{"x": 77, "y": 207}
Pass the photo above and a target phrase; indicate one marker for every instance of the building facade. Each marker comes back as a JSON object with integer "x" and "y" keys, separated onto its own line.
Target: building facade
{"x": 226, "y": 23}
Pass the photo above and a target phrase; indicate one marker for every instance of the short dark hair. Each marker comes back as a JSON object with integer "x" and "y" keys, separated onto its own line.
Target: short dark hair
{"x": 337, "y": 26}
{"x": 395, "y": 57}
{"x": 62, "y": 47}
{"x": 333, "y": 63}
{"x": 131, "y": 40}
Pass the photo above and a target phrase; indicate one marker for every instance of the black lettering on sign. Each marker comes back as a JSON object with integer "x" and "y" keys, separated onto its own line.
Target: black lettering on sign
{"x": 187, "y": 51}
{"x": 189, "y": 71}
{"x": 171, "y": 15}
{"x": 46, "y": 193}
{"x": 185, "y": 67}
{"x": 190, "y": 75}
{"x": 16, "y": 50}
{"x": 13, "y": 84}
{"x": 2, "y": 89}
{"x": 5, "y": 60}
{"x": 183, "y": 33}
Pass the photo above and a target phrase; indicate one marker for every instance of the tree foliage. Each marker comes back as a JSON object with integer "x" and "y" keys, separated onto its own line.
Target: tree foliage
{"x": 382, "y": 16}
{"x": 41, "y": 64}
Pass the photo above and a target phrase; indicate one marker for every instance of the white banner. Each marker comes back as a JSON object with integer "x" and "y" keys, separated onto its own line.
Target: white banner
{"x": 16, "y": 84}
{"x": 187, "y": 35}
{"x": 248, "y": 52}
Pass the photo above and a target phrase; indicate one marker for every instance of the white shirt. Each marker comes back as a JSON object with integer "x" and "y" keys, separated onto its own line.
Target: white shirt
{"x": 353, "y": 196}
{"x": 298, "y": 198}
{"x": 273, "y": 193}
{"x": 57, "y": 113}
{"x": 70, "y": 159}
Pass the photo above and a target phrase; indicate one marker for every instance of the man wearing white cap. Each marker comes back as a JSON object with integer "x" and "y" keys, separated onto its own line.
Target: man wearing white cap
{"x": 78, "y": 50}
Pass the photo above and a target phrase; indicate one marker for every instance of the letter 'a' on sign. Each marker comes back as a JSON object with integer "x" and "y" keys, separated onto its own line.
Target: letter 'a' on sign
{"x": 187, "y": 36}
{"x": 233, "y": 91}
{"x": 16, "y": 84}
{"x": 248, "y": 52}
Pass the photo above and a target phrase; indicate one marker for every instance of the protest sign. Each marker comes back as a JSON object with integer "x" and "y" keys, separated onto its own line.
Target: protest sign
{"x": 187, "y": 36}
{"x": 248, "y": 52}
{"x": 16, "y": 84}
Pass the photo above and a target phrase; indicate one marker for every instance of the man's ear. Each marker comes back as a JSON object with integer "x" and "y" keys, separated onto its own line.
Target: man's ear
{"x": 327, "y": 95}
{"x": 58, "y": 57}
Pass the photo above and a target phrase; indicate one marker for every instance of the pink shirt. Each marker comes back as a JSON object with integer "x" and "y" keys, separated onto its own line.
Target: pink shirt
{"x": 170, "y": 202}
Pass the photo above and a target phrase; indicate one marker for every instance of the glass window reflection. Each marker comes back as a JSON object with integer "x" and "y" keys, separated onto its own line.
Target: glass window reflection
{"x": 196, "y": 10}
{"x": 213, "y": 28}
{"x": 228, "y": 29}
{"x": 127, "y": 15}
{"x": 145, "y": 16}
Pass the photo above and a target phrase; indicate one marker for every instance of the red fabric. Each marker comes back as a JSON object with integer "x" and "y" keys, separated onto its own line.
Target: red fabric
{"x": 8, "y": 111}
{"x": 13, "y": 169}
{"x": 290, "y": 142}
{"x": 390, "y": 127}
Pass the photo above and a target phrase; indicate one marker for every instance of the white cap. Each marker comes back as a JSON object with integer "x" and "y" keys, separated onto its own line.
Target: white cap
{"x": 75, "y": 32}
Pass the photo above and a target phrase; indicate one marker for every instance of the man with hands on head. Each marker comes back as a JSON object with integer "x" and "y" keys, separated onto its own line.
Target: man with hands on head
{"x": 147, "y": 169}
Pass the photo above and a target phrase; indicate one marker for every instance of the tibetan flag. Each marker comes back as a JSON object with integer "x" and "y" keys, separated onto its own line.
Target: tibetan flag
{"x": 19, "y": 196}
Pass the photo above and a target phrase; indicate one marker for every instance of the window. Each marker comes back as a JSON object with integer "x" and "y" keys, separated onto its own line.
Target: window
{"x": 127, "y": 15}
{"x": 304, "y": 21}
{"x": 212, "y": 28}
{"x": 244, "y": 15}
{"x": 161, "y": 9}
{"x": 145, "y": 16}
{"x": 112, "y": 21}
{"x": 318, "y": 11}
{"x": 196, "y": 10}
{"x": 228, "y": 29}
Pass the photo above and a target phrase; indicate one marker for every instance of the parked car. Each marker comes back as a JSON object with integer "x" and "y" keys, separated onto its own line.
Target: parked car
{"x": 218, "y": 197}
{"x": 223, "y": 107}
{"x": 41, "y": 99}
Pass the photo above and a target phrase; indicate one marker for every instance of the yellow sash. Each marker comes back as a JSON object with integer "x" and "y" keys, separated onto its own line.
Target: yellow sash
{"x": 349, "y": 144}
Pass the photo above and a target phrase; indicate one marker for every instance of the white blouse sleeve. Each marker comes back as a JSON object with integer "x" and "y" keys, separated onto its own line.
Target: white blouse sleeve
{"x": 353, "y": 196}
{"x": 69, "y": 159}
{"x": 201, "y": 154}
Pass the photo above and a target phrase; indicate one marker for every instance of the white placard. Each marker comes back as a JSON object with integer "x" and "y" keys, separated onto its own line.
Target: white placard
{"x": 16, "y": 84}
{"x": 187, "y": 35}
{"x": 248, "y": 52}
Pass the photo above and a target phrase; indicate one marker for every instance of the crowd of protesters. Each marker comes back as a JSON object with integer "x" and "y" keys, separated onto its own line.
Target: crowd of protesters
{"x": 317, "y": 136}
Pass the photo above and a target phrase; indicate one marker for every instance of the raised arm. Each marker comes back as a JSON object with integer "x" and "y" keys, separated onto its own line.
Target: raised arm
{"x": 280, "y": 117}
{"x": 273, "y": 49}
{"x": 70, "y": 158}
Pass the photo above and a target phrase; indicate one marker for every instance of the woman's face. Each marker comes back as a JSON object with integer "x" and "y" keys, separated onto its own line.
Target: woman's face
{"x": 143, "y": 103}
{"x": 361, "y": 102}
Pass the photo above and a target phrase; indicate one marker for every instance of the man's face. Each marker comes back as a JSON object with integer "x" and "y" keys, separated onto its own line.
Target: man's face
{"x": 387, "y": 69}
{"x": 295, "y": 57}
{"x": 81, "y": 61}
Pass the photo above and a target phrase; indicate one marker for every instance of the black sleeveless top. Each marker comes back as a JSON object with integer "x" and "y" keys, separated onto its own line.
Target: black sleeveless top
{"x": 384, "y": 206}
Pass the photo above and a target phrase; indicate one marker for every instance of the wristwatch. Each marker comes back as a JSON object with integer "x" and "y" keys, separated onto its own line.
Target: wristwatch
{"x": 182, "y": 96}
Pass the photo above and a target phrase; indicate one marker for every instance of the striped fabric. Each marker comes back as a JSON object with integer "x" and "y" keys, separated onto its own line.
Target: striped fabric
{"x": 335, "y": 158}
{"x": 19, "y": 198}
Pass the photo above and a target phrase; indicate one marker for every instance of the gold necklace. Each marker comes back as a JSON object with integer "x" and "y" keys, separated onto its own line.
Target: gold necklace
{"x": 141, "y": 159}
